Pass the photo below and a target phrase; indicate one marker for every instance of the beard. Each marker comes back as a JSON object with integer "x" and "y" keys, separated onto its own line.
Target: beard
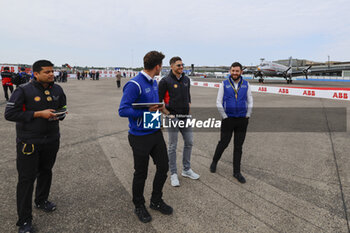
{"x": 235, "y": 78}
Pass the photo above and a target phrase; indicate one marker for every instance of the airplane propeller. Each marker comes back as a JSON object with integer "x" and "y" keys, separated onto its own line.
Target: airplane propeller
{"x": 306, "y": 71}
{"x": 285, "y": 73}
{"x": 257, "y": 73}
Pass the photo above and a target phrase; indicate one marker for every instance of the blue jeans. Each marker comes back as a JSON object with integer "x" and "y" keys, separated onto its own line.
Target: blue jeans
{"x": 188, "y": 143}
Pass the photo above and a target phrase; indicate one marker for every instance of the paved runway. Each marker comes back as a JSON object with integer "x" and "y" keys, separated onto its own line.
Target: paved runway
{"x": 296, "y": 181}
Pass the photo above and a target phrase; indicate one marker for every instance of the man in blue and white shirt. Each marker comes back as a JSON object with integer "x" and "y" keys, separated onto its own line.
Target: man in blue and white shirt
{"x": 146, "y": 142}
{"x": 235, "y": 103}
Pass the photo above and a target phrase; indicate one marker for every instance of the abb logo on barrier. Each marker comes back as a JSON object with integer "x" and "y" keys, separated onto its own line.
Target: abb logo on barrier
{"x": 283, "y": 91}
{"x": 309, "y": 93}
{"x": 216, "y": 85}
{"x": 196, "y": 84}
{"x": 205, "y": 84}
{"x": 263, "y": 89}
{"x": 340, "y": 95}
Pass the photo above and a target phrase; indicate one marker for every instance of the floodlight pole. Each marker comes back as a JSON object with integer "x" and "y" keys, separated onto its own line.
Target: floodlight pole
{"x": 328, "y": 61}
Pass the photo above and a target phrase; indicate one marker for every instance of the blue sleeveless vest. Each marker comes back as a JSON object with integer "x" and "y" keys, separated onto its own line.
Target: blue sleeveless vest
{"x": 235, "y": 107}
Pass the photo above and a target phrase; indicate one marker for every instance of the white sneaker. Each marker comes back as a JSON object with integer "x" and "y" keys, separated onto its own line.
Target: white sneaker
{"x": 190, "y": 174}
{"x": 174, "y": 180}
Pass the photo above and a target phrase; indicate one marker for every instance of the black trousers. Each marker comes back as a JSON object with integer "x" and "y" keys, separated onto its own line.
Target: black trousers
{"x": 33, "y": 166}
{"x": 6, "y": 87}
{"x": 231, "y": 125}
{"x": 144, "y": 146}
{"x": 118, "y": 84}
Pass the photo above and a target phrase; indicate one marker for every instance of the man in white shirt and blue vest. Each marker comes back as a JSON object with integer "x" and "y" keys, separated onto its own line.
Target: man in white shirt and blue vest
{"x": 235, "y": 103}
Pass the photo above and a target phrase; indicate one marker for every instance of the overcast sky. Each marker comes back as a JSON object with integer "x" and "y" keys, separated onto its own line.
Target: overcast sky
{"x": 202, "y": 32}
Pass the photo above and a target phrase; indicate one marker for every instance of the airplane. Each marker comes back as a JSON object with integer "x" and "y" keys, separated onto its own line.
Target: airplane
{"x": 272, "y": 69}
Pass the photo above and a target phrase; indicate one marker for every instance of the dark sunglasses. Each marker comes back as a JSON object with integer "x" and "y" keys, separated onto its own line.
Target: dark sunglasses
{"x": 179, "y": 65}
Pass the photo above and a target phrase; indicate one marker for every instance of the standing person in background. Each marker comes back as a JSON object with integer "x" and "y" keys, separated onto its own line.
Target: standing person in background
{"x": 118, "y": 77}
{"x": 56, "y": 74}
{"x": 7, "y": 76}
{"x": 175, "y": 91}
{"x": 235, "y": 104}
{"x": 32, "y": 107}
{"x": 64, "y": 76}
{"x": 59, "y": 79}
{"x": 97, "y": 75}
{"x": 144, "y": 141}
{"x": 21, "y": 78}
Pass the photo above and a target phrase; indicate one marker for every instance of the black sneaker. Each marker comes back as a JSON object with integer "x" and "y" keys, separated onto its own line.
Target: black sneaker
{"x": 46, "y": 206}
{"x": 143, "y": 214}
{"x": 239, "y": 177}
{"x": 26, "y": 228}
{"x": 162, "y": 207}
{"x": 213, "y": 167}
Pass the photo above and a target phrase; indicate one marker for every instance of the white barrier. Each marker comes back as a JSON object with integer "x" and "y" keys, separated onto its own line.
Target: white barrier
{"x": 109, "y": 73}
{"x": 327, "y": 93}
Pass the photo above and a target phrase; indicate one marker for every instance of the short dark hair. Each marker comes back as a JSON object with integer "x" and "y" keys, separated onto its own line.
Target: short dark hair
{"x": 152, "y": 59}
{"x": 174, "y": 59}
{"x": 23, "y": 69}
{"x": 38, "y": 65}
{"x": 235, "y": 64}
{"x": 6, "y": 68}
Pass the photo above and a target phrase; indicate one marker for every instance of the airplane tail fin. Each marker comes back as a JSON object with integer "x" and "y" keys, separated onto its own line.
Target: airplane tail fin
{"x": 290, "y": 62}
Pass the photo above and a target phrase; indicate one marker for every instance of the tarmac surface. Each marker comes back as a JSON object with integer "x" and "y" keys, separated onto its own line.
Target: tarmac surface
{"x": 296, "y": 181}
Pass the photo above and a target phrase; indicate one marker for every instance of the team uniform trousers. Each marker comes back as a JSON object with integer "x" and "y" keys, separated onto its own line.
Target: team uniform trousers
{"x": 231, "y": 125}
{"x": 144, "y": 146}
{"x": 35, "y": 166}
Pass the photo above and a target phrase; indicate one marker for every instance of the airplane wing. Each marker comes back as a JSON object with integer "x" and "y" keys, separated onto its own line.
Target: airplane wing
{"x": 316, "y": 70}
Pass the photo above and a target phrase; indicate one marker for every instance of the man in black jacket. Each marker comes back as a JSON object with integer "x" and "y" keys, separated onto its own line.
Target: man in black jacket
{"x": 32, "y": 106}
{"x": 175, "y": 91}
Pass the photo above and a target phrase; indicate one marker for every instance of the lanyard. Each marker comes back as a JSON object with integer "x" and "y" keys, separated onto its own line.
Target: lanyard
{"x": 233, "y": 86}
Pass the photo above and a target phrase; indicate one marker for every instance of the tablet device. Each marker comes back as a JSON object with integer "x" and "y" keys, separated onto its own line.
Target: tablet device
{"x": 146, "y": 105}
{"x": 60, "y": 111}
